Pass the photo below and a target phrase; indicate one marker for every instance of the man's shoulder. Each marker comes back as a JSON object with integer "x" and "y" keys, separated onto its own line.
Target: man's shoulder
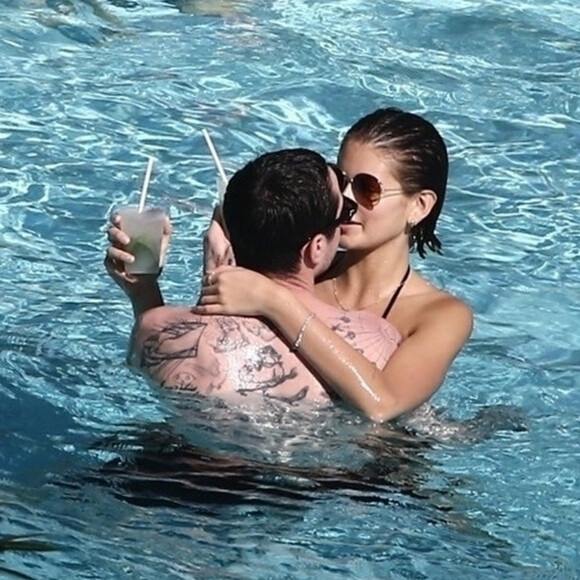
{"x": 164, "y": 314}
{"x": 170, "y": 316}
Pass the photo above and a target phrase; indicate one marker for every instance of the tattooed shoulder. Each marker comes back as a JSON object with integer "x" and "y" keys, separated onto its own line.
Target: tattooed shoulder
{"x": 224, "y": 354}
{"x": 260, "y": 328}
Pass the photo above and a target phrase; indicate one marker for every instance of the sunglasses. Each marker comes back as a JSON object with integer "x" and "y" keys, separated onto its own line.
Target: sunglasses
{"x": 366, "y": 188}
{"x": 348, "y": 209}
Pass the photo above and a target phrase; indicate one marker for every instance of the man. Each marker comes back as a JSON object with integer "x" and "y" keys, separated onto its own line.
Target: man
{"x": 283, "y": 212}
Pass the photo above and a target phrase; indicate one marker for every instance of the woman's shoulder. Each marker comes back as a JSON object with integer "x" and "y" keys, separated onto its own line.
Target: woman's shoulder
{"x": 444, "y": 304}
{"x": 443, "y": 308}
{"x": 430, "y": 307}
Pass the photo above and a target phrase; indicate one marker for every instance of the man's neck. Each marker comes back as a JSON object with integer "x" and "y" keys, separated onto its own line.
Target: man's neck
{"x": 301, "y": 282}
{"x": 302, "y": 286}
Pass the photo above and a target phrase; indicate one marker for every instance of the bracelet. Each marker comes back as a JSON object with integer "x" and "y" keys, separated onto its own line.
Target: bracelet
{"x": 301, "y": 332}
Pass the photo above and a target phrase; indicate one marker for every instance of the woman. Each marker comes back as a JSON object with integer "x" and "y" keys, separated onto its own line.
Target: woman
{"x": 394, "y": 165}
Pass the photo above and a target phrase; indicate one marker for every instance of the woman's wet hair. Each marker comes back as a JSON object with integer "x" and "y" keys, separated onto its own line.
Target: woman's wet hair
{"x": 420, "y": 157}
{"x": 274, "y": 205}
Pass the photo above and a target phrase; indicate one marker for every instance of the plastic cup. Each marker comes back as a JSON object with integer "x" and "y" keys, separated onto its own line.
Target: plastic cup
{"x": 145, "y": 230}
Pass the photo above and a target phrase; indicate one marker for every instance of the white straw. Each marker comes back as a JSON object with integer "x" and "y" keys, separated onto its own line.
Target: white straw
{"x": 214, "y": 154}
{"x": 145, "y": 187}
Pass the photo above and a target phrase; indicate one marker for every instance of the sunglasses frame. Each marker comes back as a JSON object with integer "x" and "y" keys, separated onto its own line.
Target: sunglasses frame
{"x": 368, "y": 199}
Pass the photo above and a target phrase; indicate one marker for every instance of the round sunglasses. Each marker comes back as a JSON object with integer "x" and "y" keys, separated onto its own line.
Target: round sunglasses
{"x": 366, "y": 188}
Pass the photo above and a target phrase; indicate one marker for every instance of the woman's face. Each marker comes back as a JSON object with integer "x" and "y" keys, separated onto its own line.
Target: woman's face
{"x": 384, "y": 222}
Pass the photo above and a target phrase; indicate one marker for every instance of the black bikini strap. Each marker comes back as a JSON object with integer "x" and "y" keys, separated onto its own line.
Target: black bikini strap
{"x": 397, "y": 292}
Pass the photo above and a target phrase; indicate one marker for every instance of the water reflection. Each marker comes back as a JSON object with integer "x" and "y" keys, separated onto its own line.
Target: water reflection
{"x": 156, "y": 466}
{"x": 286, "y": 459}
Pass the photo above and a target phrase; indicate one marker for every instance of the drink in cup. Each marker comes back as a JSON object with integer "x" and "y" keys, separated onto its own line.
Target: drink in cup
{"x": 145, "y": 230}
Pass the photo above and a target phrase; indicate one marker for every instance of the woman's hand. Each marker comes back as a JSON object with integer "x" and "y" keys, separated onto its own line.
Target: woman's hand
{"x": 217, "y": 250}
{"x": 237, "y": 291}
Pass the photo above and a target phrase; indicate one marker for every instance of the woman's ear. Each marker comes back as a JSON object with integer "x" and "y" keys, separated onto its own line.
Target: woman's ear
{"x": 422, "y": 205}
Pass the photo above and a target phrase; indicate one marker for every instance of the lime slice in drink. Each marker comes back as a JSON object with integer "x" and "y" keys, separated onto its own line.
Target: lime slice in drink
{"x": 144, "y": 256}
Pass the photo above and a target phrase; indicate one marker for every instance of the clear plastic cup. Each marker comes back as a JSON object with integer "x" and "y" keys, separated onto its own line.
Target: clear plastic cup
{"x": 145, "y": 230}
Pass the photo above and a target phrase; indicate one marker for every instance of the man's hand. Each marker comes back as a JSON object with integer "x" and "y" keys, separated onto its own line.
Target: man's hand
{"x": 142, "y": 289}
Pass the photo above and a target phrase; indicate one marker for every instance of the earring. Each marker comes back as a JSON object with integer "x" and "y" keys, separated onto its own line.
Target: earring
{"x": 409, "y": 227}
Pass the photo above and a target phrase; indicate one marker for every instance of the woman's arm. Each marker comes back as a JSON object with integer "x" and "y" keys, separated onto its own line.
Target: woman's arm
{"x": 217, "y": 250}
{"x": 412, "y": 375}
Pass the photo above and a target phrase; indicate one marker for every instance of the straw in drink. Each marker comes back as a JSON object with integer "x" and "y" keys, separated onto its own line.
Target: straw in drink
{"x": 144, "y": 226}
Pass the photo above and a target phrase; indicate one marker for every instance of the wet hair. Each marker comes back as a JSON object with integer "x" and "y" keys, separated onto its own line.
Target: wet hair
{"x": 420, "y": 157}
{"x": 274, "y": 205}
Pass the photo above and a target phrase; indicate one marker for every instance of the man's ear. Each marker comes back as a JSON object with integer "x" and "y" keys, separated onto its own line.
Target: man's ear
{"x": 314, "y": 251}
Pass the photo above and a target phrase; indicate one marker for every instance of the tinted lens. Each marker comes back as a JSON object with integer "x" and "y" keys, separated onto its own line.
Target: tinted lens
{"x": 366, "y": 189}
{"x": 349, "y": 208}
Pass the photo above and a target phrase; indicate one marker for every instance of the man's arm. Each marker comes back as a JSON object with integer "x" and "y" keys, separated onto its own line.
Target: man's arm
{"x": 142, "y": 290}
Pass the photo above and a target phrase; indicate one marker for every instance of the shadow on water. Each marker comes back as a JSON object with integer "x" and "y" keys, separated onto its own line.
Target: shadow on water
{"x": 486, "y": 422}
{"x": 164, "y": 469}
{"x": 88, "y": 22}
{"x": 22, "y": 543}
{"x": 156, "y": 466}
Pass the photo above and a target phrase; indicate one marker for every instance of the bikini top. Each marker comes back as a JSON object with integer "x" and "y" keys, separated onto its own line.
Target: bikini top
{"x": 397, "y": 292}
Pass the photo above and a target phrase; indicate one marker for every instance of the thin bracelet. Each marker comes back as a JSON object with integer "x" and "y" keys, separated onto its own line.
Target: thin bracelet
{"x": 301, "y": 332}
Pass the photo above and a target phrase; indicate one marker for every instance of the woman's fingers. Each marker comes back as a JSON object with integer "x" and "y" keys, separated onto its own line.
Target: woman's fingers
{"x": 206, "y": 309}
{"x": 116, "y": 269}
{"x": 210, "y": 294}
{"x": 115, "y": 220}
{"x": 216, "y": 246}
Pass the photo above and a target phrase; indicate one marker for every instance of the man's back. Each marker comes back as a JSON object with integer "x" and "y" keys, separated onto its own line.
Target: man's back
{"x": 232, "y": 357}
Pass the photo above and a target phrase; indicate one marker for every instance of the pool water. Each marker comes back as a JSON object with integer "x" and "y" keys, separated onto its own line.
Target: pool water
{"x": 127, "y": 483}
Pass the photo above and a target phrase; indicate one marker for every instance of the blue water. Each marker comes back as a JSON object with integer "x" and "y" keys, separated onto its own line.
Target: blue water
{"x": 129, "y": 484}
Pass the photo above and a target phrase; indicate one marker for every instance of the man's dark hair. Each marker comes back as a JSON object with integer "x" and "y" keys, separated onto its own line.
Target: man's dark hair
{"x": 274, "y": 205}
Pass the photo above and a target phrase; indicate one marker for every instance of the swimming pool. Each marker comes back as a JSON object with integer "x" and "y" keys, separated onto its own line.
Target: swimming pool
{"x": 96, "y": 462}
